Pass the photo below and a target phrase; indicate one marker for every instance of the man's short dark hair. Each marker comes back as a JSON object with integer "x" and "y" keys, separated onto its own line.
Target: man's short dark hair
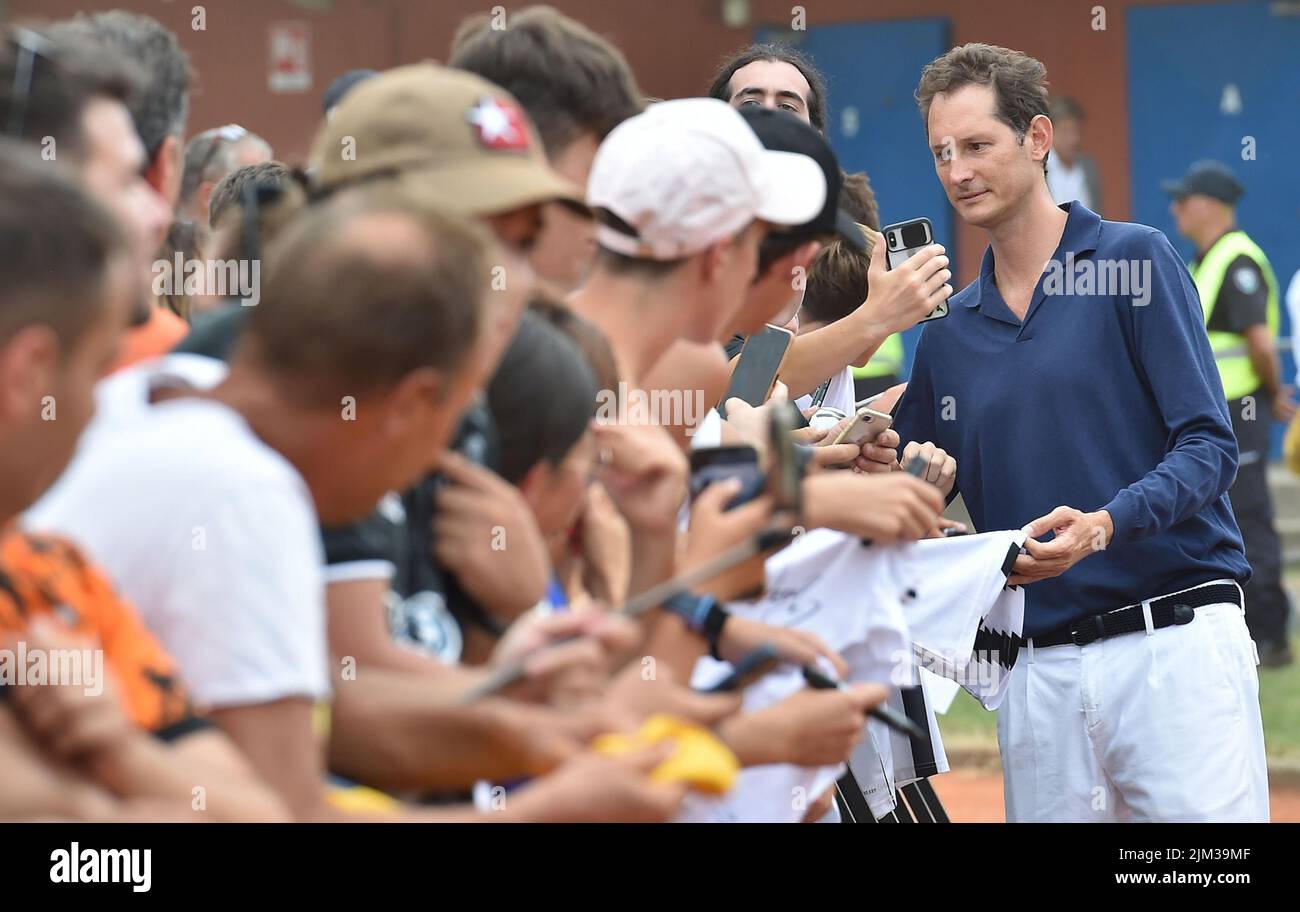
{"x": 340, "y": 318}
{"x": 56, "y": 244}
{"x": 161, "y": 109}
{"x": 859, "y": 200}
{"x": 65, "y": 76}
{"x": 570, "y": 80}
{"x": 1019, "y": 83}
{"x": 778, "y": 53}
{"x": 837, "y": 283}
{"x": 229, "y": 192}
{"x": 542, "y": 396}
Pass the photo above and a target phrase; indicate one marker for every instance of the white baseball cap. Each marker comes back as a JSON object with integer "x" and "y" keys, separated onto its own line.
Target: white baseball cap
{"x": 687, "y": 173}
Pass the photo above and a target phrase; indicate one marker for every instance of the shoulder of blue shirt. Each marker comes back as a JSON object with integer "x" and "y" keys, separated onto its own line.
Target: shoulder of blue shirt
{"x": 1119, "y": 240}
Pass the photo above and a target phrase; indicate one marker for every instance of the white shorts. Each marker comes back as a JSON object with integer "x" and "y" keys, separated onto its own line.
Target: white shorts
{"x": 1162, "y": 726}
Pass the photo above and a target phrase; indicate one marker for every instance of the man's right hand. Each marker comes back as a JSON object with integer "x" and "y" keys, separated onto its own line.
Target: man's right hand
{"x": 593, "y": 788}
{"x": 646, "y": 688}
{"x": 474, "y": 511}
{"x": 644, "y": 474}
{"x": 880, "y": 454}
{"x": 883, "y": 508}
{"x": 714, "y": 530}
{"x": 807, "y": 728}
{"x": 941, "y": 469}
{"x": 564, "y": 672}
{"x": 898, "y": 299}
{"x": 76, "y": 723}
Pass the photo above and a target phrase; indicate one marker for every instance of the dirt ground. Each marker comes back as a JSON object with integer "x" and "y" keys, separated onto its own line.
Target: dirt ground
{"x": 976, "y": 797}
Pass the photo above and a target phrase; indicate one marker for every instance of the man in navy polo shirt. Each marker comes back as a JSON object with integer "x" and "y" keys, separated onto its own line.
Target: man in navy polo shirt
{"x": 1074, "y": 384}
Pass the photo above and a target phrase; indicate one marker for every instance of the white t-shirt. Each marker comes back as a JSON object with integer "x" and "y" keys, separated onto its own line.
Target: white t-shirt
{"x": 839, "y": 395}
{"x": 877, "y": 606}
{"x": 709, "y": 433}
{"x": 1067, "y": 183}
{"x": 960, "y": 597}
{"x": 829, "y": 583}
{"x": 125, "y": 394}
{"x": 211, "y": 534}
{"x": 954, "y": 583}
{"x": 1293, "y": 308}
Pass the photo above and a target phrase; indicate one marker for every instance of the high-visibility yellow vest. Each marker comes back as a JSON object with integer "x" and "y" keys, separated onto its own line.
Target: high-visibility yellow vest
{"x": 887, "y": 360}
{"x": 1230, "y": 353}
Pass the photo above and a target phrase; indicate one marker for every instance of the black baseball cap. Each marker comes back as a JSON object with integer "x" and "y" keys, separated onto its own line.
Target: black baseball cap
{"x": 1207, "y": 178}
{"x": 781, "y": 131}
{"x": 342, "y": 85}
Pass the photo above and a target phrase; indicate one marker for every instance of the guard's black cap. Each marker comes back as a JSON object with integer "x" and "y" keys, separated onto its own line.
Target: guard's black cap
{"x": 781, "y": 131}
{"x": 1207, "y": 178}
{"x": 342, "y": 85}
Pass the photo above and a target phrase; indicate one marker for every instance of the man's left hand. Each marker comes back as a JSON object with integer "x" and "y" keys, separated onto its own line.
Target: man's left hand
{"x": 1284, "y": 407}
{"x": 1078, "y": 535}
{"x": 484, "y": 533}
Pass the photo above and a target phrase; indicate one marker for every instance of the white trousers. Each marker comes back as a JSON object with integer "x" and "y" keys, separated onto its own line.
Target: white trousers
{"x": 1162, "y": 726}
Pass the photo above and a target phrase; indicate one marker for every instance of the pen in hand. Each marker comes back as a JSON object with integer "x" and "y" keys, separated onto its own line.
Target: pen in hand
{"x": 898, "y": 722}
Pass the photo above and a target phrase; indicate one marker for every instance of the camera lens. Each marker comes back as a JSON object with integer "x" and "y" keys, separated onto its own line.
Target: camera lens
{"x": 914, "y": 235}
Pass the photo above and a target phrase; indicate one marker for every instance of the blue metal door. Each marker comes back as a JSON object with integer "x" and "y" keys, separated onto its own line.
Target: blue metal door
{"x": 871, "y": 71}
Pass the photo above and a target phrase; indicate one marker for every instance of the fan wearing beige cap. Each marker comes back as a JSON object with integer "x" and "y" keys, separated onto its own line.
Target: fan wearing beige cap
{"x": 455, "y": 138}
{"x": 439, "y": 134}
{"x": 464, "y": 143}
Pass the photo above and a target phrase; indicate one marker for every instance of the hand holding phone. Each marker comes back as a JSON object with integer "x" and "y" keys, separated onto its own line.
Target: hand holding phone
{"x": 758, "y": 366}
{"x": 902, "y": 241}
{"x": 710, "y": 464}
{"x": 868, "y": 424}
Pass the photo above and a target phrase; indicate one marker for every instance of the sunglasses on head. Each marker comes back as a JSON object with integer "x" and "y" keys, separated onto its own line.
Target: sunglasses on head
{"x": 216, "y": 140}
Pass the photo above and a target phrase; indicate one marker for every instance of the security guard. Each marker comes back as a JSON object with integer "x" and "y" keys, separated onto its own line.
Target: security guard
{"x": 883, "y": 370}
{"x": 1239, "y": 296}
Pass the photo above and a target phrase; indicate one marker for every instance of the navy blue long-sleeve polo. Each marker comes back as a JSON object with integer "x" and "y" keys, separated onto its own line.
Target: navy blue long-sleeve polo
{"x": 1106, "y": 396}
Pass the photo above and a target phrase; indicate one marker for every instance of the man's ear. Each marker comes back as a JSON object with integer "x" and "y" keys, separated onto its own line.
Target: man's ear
{"x": 802, "y": 257}
{"x": 29, "y": 362}
{"x": 1040, "y": 137}
{"x": 534, "y": 478}
{"x": 203, "y": 198}
{"x": 713, "y": 260}
{"x": 410, "y": 402}
{"x": 164, "y": 172}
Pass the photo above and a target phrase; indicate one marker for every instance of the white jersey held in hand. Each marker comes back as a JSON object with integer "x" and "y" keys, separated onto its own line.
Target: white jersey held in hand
{"x": 965, "y": 621}
{"x": 877, "y": 606}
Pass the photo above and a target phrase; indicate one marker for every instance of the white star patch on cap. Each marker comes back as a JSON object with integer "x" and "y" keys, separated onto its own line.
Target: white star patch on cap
{"x": 1246, "y": 279}
{"x": 501, "y": 124}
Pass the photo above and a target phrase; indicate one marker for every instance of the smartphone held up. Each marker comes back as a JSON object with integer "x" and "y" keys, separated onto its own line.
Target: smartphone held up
{"x": 903, "y": 240}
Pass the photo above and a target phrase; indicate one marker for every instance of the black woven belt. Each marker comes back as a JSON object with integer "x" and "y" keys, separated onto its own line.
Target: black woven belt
{"x": 1167, "y": 611}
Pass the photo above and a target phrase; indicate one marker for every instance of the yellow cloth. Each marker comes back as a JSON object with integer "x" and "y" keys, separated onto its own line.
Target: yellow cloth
{"x": 360, "y": 799}
{"x": 321, "y": 717}
{"x": 700, "y": 759}
{"x": 1291, "y": 445}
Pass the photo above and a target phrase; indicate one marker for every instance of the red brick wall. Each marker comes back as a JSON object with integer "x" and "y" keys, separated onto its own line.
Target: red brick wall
{"x": 673, "y": 45}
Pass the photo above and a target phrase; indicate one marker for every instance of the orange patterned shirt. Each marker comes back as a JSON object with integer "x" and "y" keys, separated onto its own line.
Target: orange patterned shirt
{"x": 47, "y": 575}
